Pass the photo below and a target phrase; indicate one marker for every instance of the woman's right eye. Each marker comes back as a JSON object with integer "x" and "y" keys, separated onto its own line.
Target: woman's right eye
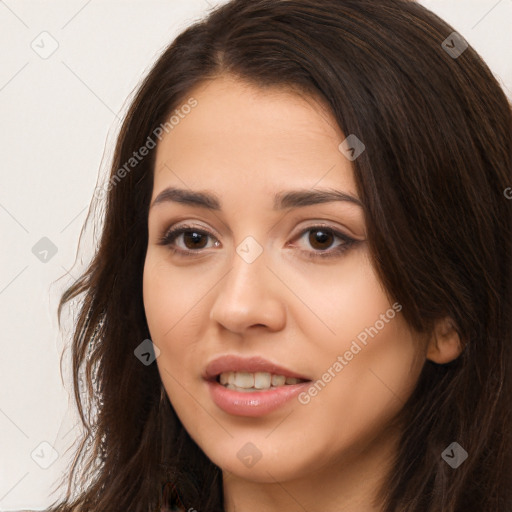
{"x": 192, "y": 240}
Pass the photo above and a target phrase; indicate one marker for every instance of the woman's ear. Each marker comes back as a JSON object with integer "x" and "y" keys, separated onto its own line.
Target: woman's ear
{"x": 444, "y": 345}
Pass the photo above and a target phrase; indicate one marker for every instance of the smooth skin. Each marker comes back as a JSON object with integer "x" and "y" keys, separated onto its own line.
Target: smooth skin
{"x": 244, "y": 144}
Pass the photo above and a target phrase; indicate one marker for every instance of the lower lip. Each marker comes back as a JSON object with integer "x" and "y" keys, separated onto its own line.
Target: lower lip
{"x": 253, "y": 403}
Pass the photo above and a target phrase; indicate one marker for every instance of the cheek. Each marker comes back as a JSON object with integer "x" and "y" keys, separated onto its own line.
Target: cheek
{"x": 366, "y": 355}
{"x": 353, "y": 402}
{"x": 161, "y": 302}
{"x": 172, "y": 298}
{"x": 164, "y": 308}
{"x": 175, "y": 317}
{"x": 342, "y": 300}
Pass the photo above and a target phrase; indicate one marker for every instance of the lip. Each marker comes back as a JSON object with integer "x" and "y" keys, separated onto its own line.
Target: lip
{"x": 253, "y": 403}
{"x": 234, "y": 363}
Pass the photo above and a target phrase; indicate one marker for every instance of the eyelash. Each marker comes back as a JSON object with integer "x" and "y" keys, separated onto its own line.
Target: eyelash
{"x": 170, "y": 236}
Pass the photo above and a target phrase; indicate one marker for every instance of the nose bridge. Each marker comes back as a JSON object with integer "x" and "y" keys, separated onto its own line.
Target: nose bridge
{"x": 246, "y": 297}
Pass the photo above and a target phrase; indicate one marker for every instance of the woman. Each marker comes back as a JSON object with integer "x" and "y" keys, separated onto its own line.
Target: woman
{"x": 302, "y": 295}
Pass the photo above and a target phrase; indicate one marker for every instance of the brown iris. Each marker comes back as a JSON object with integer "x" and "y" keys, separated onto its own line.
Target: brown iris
{"x": 195, "y": 239}
{"x": 320, "y": 236}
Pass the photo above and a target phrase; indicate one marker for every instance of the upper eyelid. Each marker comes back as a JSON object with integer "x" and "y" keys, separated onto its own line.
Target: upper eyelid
{"x": 187, "y": 227}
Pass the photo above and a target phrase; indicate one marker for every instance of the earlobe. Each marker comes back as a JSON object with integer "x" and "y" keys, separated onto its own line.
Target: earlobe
{"x": 444, "y": 345}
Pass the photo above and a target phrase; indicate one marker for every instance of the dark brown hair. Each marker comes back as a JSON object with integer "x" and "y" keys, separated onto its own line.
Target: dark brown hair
{"x": 437, "y": 131}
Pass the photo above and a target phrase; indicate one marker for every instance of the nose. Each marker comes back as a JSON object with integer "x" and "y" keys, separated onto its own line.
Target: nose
{"x": 248, "y": 297}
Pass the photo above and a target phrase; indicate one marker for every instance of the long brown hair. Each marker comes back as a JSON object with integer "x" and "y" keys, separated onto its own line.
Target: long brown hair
{"x": 437, "y": 130}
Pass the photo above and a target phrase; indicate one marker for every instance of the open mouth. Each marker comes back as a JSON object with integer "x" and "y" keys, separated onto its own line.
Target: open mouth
{"x": 248, "y": 382}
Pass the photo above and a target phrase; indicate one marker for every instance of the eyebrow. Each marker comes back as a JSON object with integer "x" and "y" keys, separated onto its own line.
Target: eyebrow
{"x": 282, "y": 200}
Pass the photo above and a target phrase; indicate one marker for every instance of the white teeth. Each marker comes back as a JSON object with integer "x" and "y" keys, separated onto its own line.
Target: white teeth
{"x": 278, "y": 380}
{"x": 246, "y": 381}
{"x": 262, "y": 380}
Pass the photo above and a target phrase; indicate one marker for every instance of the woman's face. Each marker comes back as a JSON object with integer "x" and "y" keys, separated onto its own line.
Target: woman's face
{"x": 272, "y": 270}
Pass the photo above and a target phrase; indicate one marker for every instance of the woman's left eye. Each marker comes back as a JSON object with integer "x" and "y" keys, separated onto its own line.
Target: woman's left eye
{"x": 320, "y": 238}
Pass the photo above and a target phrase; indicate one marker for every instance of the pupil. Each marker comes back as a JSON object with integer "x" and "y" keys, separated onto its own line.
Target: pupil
{"x": 194, "y": 238}
{"x": 319, "y": 237}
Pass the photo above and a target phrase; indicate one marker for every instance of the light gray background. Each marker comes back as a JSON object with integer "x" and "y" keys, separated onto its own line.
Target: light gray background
{"x": 60, "y": 115}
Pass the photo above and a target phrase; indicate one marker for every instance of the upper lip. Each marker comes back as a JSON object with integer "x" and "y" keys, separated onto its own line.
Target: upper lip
{"x": 234, "y": 363}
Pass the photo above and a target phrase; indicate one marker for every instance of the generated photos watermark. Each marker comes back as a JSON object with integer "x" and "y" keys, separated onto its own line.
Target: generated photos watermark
{"x": 343, "y": 360}
{"x": 139, "y": 155}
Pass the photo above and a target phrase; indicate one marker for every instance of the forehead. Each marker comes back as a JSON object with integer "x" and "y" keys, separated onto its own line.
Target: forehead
{"x": 239, "y": 133}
